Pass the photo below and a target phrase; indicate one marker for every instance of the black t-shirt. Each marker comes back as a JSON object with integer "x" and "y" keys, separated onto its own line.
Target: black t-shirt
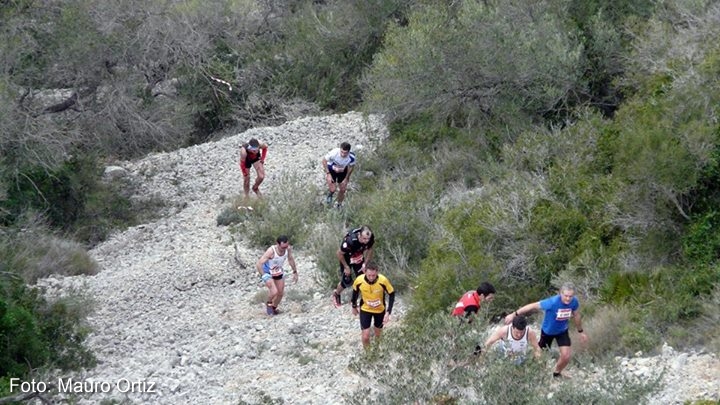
{"x": 353, "y": 249}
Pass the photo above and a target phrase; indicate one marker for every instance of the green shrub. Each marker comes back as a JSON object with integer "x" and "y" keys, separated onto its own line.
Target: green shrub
{"x": 291, "y": 212}
{"x": 625, "y": 287}
{"x": 483, "y": 235}
{"x": 323, "y": 49}
{"x": 237, "y": 212}
{"x": 324, "y": 243}
{"x": 604, "y": 328}
{"x": 71, "y": 198}
{"x": 36, "y": 333}
{"x": 681, "y": 292}
{"x": 213, "y": 109}
{"x": 701, "y": 241}
{"x": 709, "y": 322}
{"x": 422, "y": 132}
{"x": 635, "y": 337}
{"x": 518, "y": 66}
{"x": 22, "y": 341}
{"x": 401, "y": 214}
{"x": 665, "y": 300}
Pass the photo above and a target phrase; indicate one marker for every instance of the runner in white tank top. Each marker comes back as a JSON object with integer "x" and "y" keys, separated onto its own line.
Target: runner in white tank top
{"x": 274, "y": 266}
{"x": 514, "y": 340}
{"x": 270, "y": 267}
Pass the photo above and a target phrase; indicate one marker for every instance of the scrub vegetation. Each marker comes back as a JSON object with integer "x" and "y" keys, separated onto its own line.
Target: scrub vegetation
{"x": 531, "y": 143}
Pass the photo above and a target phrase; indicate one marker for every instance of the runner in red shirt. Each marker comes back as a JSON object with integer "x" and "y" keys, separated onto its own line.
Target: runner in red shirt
{"x": 469, "y": 303}
{"x": 252, "y": 154}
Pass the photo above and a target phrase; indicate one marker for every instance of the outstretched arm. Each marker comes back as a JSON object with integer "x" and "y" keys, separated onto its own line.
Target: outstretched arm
{"x": 524, "y": 310}
{"x": 495, "y": 336}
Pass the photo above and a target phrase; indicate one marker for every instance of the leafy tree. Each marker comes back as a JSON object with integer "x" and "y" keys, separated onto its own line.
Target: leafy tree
{"x": 522, "y": 62}
{"x": 321, "y": 49}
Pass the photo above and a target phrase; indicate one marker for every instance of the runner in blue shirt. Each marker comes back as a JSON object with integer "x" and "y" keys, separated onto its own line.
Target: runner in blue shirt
{"x": 559, "y": 309}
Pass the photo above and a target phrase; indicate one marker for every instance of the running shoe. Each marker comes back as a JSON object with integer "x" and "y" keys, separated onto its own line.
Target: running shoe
{"x": 328, "y": 199}
{"x": 269, "y": 309}
{"x": 338, "y": 205}
{"x": 336, "y": 300}
{"x": 275, "y": 310}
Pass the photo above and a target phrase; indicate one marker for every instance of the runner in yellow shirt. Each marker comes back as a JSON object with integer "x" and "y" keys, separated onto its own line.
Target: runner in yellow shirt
{"x": 372, "y": 287}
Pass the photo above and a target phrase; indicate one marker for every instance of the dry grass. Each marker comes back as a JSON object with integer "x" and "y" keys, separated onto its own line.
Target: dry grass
{"x": 33, "y": 253}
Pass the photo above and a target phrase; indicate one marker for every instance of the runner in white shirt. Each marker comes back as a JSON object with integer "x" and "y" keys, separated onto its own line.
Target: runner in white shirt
{"x": 514, "y": 340}
{"x": 338, "y": 164}
{"x": 272, "y": 274}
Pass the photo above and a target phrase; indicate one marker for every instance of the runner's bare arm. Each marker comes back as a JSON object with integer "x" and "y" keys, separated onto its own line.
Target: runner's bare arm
{"x": 263, "y": 152}
{"x": 243, "y": 156}
{"x": 341, "y": 256}
{"x": 368, "y": 255}
{"x": 532, "y": 338}
{"x": 264, "y": 258}
{"x": 524, "y": 310}
{"x": 347, "y": 175}
{"x": 496, "y": 335}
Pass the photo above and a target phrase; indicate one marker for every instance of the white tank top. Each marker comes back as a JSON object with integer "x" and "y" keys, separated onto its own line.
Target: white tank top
{"x": 517, "y": 346}
{"x": 275, "y": 265}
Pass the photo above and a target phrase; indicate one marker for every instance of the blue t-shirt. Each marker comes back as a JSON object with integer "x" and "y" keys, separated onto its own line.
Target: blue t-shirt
{"x": 557, "y": 314}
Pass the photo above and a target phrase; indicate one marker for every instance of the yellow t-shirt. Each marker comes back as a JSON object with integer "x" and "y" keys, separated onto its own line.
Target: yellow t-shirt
{"x": 373, "y": 295}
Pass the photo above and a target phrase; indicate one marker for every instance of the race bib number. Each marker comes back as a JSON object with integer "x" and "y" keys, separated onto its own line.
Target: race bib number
{"x": 563, "y": 314}
{"x": 338, "y": 169}
{"x": 356, "y": 258}
{"x": 276, "y": 271}
{"x": 374, "y": 303}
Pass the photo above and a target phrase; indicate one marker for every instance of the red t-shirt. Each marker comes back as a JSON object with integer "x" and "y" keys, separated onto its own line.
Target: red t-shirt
{"x": 469, "y": 302}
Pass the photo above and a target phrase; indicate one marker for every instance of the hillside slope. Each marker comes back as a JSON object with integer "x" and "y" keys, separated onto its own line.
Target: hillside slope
{"x": 175, "y": 310}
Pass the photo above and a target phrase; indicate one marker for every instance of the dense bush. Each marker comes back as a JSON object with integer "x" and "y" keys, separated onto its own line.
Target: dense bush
{"x": 522, "y": 62}
{"x": 401, "y": 215}
{"x": 35, "y": 332}
{"x": 323, "y": 49}
{"x": 291, "y": 212}
{"x": 71, "y": 197}
{"x": 38, "y": 334}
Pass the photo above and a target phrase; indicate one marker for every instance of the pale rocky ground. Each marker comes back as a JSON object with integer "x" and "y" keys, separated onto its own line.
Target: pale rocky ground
{"x": 174, "y": 308}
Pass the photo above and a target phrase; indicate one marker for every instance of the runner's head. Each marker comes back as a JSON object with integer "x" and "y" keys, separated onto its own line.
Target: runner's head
{"x": 487, "y": 291}
{"x": 519, "y": 322}
{"x": 371, "y": 271}
{"x": 567, "y": 292}
{"x": 344, "y": 149}
{"x": 283, "y": 241}
{"x": 365, "y": 234}
{"x": 253, "y": 145}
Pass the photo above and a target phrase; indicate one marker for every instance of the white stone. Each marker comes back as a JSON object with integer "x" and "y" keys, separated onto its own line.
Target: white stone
{"x": 680, "y": 361}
